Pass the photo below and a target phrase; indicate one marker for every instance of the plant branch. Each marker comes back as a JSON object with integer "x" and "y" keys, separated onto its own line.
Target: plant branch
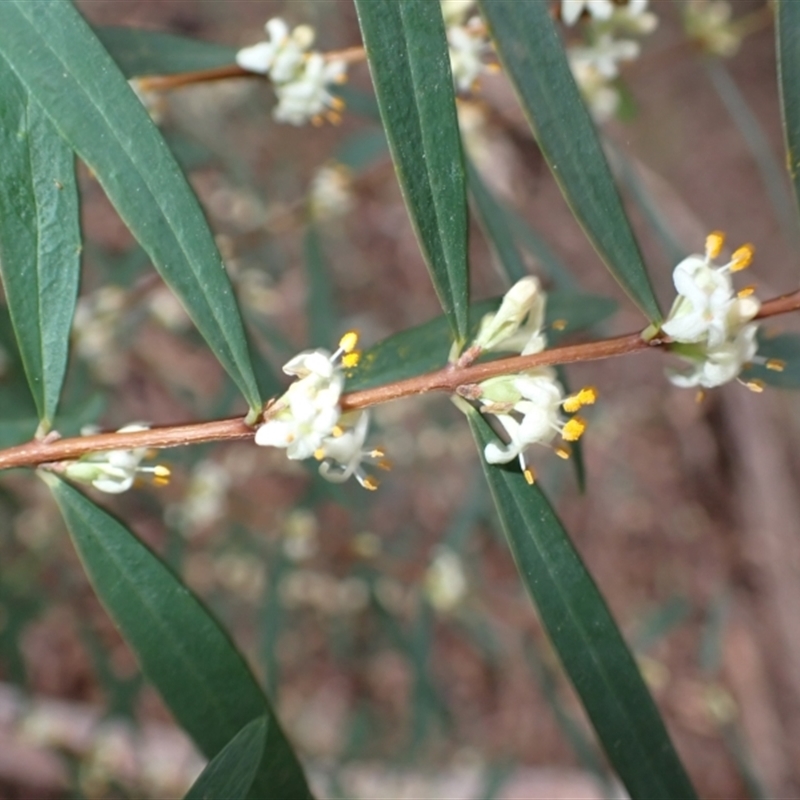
{"x": 447, "y": 379}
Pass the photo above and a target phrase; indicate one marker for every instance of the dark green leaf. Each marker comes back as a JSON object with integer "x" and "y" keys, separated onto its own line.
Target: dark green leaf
{"x": 426, "y": 347}
{"x": 787, "y": 32}
{"x": 583, "y": 632}
{"x": 230, "y": 774}
{"x": 66, "y": 69}
{"x": 410, "y": 66}
{"x": 40, "y": 241}
{"x": 142, "y": 52}
{"x": 181, "y": 648}
{"x": 785, "y": 348}
{"x": 533, "y": 57}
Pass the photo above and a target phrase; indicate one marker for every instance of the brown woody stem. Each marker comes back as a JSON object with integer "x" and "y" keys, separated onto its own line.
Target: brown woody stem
{"x": 448, "y": 379}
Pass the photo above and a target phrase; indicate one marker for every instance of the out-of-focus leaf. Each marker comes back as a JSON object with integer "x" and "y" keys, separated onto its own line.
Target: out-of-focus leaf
{"x": 784, "y": 348}
{"x": 584, "y": 634}
{"x": 426, "y": 347}
{"x": 410, "y": 66}
{"x": 201, "y": 676}
{"x": 66, "y": 69}
{"x": 495, "y": 226}
{"x": 660, "y": 622}
{"x": 141, "y": 52}
{"x": 319, "y": 304}
{"x": 230, "y": 774}
{"x": 40, "y": 240}
{"x": 533, "y": 57}
{"x": 769, "y": 166}
{"x": 364, "y": 148}
{"x": 787, "y": 46}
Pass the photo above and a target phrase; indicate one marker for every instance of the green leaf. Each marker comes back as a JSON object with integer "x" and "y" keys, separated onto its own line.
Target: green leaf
{"x": 320, "y": 305}
{"x": 65, "y": 68}
{"x": 533, "y": 57}
{"x": 230, "y": 774}
{"x": 784, "y": 347}
{"x": 40, "y": 240}
{"x": 787, "y": 45}
{"x": 142, "y": 52}
{"x": 583, "y": 632}
{"x": 426, "y": 347}
{"x": 181, "y": 648}
{"x": 410, "y": 66}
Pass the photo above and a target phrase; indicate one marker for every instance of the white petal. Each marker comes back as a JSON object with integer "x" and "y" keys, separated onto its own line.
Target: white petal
{"x": 274, "y": 433}
{"x": 571, "y": 10}
{"x": 257, "y": 58}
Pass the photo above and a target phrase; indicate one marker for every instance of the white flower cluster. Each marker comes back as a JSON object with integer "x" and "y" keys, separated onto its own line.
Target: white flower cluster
{"x": 595, "y": 66}
{"x": 709, "y": 24}
{"x": 468, "y": 43}
{"x": 528, "y": 405}
{"x": 114, "y": 471}
{"x": 308, "y": 421}
{"x": 300, "y": 78}
{"x": 712, "y": 323}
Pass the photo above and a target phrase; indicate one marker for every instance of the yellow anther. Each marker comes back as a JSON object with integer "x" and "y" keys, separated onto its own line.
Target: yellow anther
{"x": 585, "y": 397}
{"x": 378, "y": 452}
{"x": 562, "y": 452}
{"x": 337, "y": 431}
{"x": 337, "y": 102}
{"x": 714, "y": 242}
{"x": 370, "y": 483}
{"x": 160, "y": 471}
{"x": 573, "y": 430}
{"x": 493, "y": 68}
{"x": 334, "y": 117}
{"x": 746, "y": 292}
{"x": 317, "y": 120}
{"x": 319, "y": 453}
{"x": 572, "y": 404}
{"x": 742, "y": 258}
{"x": 530, "y": 475}
{"x": 755, "y": 386}
{"x": 559, "y": 324}
{"x": 351, "y": 360}
{"x": 348, "y": 342}
{"x": 776, "y": 365}
{"x": 385, "y": 464}
{"x": 700, "y": 396}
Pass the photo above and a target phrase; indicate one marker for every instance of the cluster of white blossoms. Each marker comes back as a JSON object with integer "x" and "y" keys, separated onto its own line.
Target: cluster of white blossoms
{"x": 115, "y": 471}
{"x": 595, "y": 66}
{"x": 711, "y": 323}
{"x": 530, "y": 405}
{"x": 468, "y": 43}
{"x": 307, "y": 420}
{"x": 301, "y": 79}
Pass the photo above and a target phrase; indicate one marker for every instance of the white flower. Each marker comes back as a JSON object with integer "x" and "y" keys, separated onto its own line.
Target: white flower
{"x": 571, "y": 10}
{"x": 331, "y": 192}
{"x": 114, "y": 471}
{"x": 517, "y": 325}
{"x": 282, "y": 56}
{"x": 713, "y": 366}
{"x": 306, "y": 96}
{"x": 635, "y": 18}
{"x": 309, "y": 410}
{"x": 706, "y": 309}
{"x": 445, "y": 581}
{"x": 602, "y": 97}
{"x": 343, "y": 452}
{"x": 708, "y": 22}
{"x": 528, "y": 406}
{"x": 604, "y": 55}
{"x": 456, "y": 11}
{"x": 468, "y": 44}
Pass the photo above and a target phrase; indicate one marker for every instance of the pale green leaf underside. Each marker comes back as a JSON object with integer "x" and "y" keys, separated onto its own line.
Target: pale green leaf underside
{"x": 66, "y": 69}
{"x": 585, "y": 636}
{"x": 534, "y": 60}
{"x": 181, "y": 648}
{"x": 40, "y": 240}
{"x": 410, "y": 67}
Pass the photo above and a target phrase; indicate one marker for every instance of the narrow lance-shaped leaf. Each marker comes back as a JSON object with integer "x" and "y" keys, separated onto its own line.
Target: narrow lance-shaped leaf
{"x": 66, "y": 69}
{"x": 585, "y": 636}
{"x": 201, "y": 676}
{"x": 230, "y": 774}
{"x": 410, "y": 66}
{"x": 787, "y": 32}
{"x": 40, "y": 240}
{"x": 534, "y": 60}
{"x": 143, "y": 52}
